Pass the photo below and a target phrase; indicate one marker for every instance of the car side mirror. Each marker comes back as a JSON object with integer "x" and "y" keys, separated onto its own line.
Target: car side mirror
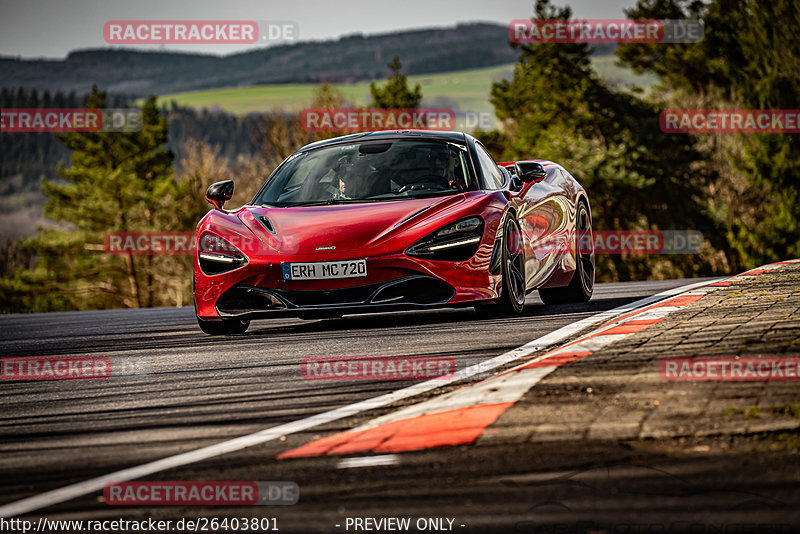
{"x": 220, "y": 192}
{"x": 530, "y": 171}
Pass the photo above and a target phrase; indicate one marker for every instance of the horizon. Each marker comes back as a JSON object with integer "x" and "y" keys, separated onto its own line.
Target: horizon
{"x": 251, "y": 48}
{"x": 67, "y": 29}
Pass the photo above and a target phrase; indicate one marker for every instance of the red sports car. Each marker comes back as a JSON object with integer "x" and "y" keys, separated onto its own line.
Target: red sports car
{"x": 392, "y": 220}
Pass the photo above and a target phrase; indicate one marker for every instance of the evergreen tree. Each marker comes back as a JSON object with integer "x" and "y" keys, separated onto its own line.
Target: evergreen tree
{"x": 115, "y": 182}
{"x": 556, "y": 108}
{"x": 749, "y": 58}
{"x": 396, "y": 93}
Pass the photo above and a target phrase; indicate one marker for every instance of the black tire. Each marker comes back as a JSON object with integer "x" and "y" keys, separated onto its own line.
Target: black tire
{"x": 581, "y": 286}
{"x": 512, "y": 293}
{"x": 224, "y": 327}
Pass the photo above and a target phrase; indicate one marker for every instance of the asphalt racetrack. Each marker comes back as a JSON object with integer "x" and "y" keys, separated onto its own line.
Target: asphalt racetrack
{"x": 181, "y": 390}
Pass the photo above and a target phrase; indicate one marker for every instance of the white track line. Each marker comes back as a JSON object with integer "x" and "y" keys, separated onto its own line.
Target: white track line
{"x": 511, "y": 385}
{"x": 368, "y": 461}
{"x": 79, "y": 489}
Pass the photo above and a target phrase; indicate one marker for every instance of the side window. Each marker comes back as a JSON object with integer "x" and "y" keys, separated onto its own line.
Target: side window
{"x": 492, "y": 176}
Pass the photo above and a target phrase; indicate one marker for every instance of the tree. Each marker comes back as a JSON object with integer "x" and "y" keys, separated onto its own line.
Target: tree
{"x": 125, "y": 182}
{"x": 115, "y": 182}
{"x": 396, "y": 93}
{"x": 556, "y": 108}
{"x": 748, "y": 58}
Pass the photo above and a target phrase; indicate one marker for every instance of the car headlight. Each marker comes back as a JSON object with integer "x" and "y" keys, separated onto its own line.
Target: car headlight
{"x": 217, "y": 255}
{"x": 458, "y": 241}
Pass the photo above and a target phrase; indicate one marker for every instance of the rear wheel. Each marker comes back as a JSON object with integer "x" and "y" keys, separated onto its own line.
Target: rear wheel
{"x": 512, "y": 295}
{"x": 224, "y": 327}
{"x": 581, "y": 286}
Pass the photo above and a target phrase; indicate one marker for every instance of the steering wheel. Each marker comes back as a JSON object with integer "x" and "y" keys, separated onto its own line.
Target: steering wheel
{"x": 422, "y": 185}
{"x": 429, "y": 181}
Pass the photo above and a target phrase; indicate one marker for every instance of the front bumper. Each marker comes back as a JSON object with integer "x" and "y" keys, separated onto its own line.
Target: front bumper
{"x": 394, "y": 283}
{"x": 404, "y": 293}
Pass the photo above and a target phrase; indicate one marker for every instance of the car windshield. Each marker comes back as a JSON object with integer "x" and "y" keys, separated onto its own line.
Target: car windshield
{"x": 369, "y": 171}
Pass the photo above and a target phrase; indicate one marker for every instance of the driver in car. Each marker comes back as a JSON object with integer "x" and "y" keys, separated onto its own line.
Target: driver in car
{"x": 444, "y": 165}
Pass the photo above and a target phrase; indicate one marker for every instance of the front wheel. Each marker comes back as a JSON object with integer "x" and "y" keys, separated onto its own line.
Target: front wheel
{"x": 512, "y": 296}
{"x": 581, "y": 286}
{"x": 224, "y": 327}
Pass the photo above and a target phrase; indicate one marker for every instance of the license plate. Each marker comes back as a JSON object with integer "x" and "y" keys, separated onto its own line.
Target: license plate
{"x": 324, "y": 270}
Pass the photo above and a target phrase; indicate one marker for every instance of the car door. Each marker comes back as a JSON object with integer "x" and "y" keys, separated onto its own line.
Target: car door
{"x": 547, "y": 215}
{"x": 543, "y": 213}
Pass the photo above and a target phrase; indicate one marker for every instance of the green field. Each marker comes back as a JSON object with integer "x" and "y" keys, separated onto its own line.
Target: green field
{"x": 465, "y": 90}
{"x": 620, "y": 77}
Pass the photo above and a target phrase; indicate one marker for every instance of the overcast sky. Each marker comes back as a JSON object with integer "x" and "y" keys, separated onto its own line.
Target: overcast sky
{"x": 53, "y": 28}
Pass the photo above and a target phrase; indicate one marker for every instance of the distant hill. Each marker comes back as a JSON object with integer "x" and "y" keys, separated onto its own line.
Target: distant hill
{"x": 345, "y": 60}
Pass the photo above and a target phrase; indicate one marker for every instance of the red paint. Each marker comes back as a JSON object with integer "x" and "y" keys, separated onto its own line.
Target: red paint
{"x": 382, "y": 232}
{"x": 558, "y": 359}
{"x": 629, "y": 327}
{"x": 680, "y": 300}
{"x": 442, "y": 429}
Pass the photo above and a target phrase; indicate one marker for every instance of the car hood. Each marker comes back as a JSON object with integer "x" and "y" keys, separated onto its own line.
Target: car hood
{"x": 339, "y": 227}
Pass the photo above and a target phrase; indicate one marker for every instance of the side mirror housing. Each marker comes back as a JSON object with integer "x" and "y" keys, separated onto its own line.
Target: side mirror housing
{"x": 220, "y": 192}
{"x": 530, "y": 171}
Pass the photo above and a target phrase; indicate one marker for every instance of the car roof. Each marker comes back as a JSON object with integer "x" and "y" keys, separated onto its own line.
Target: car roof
{"x": 458, "y": 137}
